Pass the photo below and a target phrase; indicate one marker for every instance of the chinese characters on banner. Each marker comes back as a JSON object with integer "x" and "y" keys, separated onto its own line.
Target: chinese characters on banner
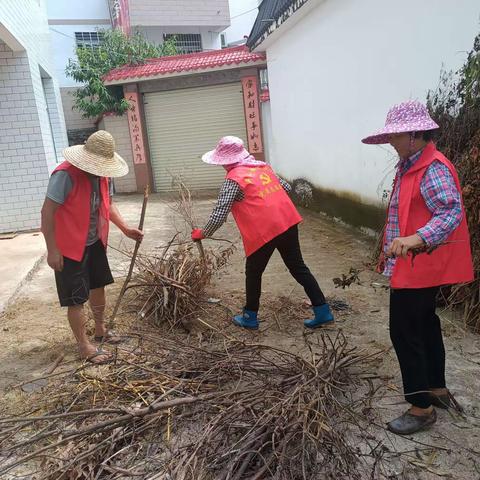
{"x": 252, "y": 114}
{"x": 135, "y": 127}
{"x": 120, "y": 14}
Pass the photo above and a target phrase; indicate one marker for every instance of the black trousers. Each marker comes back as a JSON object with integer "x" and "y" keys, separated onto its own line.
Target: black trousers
{"x": 76, "y": 279}
{"x": 288, "y": 246}
{"x": 416, "y": 335}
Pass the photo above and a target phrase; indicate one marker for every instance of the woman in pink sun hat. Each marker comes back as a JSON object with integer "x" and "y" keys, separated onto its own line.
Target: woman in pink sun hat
{"x": 267, "y": 220}
{"x": 425, "y": 210}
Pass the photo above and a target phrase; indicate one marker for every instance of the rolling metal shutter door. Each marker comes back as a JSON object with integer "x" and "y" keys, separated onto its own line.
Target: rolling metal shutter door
{"x": 184, "y": 124}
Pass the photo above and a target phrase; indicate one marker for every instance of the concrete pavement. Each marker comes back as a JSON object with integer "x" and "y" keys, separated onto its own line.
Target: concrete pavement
{"x": 19, "y": 258}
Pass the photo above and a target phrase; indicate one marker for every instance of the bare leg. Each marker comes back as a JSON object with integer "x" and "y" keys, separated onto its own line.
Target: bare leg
{"x": 76, "y": 318}
{"x": 97, "y": 304}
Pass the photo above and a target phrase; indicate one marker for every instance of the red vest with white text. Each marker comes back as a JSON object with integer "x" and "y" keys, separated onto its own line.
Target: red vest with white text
{"x": 72, "y": 219}
{"x": 266, "y": 210}
{"x": 448, "y": 264}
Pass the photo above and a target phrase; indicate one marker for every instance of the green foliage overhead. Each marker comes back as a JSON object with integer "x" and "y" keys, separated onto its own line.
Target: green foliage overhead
{"x": 116, "y": 50}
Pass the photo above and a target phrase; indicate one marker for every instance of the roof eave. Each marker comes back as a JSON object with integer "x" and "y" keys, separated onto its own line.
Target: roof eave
{"x": 300, "y": 8}
{"x": 254, "y": 63}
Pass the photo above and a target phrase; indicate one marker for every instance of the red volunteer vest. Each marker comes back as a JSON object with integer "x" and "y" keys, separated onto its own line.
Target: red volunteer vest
{"x": 448, "y": 264}
{"x": 72, "y": 219}
{"x": 266, "y": 211}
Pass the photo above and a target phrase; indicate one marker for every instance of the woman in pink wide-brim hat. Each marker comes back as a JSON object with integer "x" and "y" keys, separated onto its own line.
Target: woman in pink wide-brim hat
{"x": 425, "y": 210}
{"x": 267, "y": 220}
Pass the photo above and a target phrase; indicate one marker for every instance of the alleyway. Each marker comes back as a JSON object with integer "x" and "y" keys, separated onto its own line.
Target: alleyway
{"x": 34, "y": 331}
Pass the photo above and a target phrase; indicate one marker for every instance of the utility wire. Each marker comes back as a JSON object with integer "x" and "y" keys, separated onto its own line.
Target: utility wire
{"x": 244, "y": 13}
{"x": 61, "y": 33}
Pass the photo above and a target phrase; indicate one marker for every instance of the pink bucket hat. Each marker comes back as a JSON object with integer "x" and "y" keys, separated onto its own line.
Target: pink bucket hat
{"x": 229, "y": 150}
{"x": 406, "y": 117}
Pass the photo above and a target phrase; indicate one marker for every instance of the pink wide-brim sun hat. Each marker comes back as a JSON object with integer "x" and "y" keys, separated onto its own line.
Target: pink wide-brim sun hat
{"x": 228, "y": 151}
{"x": 405, "y": 117}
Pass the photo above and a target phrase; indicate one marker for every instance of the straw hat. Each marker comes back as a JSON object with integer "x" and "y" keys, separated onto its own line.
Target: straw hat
{"x": 97, "y": 156}
{"x": 406, "y": 117}
{"x": 229, "y": 150}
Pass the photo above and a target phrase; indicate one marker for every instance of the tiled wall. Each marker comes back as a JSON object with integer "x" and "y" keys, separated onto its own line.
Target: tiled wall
{"x": 179, "y": 12}
{"x": 28, "y": 138}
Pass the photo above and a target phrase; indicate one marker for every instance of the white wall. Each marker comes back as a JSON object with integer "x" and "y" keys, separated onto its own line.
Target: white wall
{"x": 85, "y": 9}
{"x": 64, "y": 45}
{"x": 242, "y": 17}
{"x": 66, "y": 18}
{"x": 334, "y": 75}
{"x": 210, "y": 39}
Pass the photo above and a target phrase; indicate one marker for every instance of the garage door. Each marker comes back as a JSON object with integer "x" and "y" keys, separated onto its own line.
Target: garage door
{"x": 183, "y": 124}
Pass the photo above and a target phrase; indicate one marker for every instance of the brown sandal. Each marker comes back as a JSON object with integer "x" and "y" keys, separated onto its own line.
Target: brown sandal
{"x": 99, "y": 353}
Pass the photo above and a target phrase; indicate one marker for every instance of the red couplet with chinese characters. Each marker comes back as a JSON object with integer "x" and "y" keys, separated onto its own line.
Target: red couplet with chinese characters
{"x": 252, "y": 114}
{"x": 135, "y": 127}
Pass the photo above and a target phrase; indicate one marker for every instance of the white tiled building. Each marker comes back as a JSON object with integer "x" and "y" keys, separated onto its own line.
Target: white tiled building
{"x": 32, "y": 126}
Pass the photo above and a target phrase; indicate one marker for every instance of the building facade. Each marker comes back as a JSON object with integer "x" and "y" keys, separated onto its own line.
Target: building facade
{"x": 335, "y": 68}
{"x": 32, "y": 127}
{"x": 195, "y": 24}
{"x": 73, "y": 24}
{"x": 181, "y": 107}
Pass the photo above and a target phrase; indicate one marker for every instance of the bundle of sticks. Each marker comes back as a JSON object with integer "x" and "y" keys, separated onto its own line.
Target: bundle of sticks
{"x": 170, "y": 287}
{"x": 178, "y": 410}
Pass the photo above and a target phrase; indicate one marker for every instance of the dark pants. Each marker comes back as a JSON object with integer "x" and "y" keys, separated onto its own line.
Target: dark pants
{"x": 416, "y": 335}
{"x": 288, "y": 246}
{"x": 76, "y": 279}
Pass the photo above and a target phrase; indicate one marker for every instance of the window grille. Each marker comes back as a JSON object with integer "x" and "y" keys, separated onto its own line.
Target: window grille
{"x": 89, "y": 39}
{"x": 186, "y": 42}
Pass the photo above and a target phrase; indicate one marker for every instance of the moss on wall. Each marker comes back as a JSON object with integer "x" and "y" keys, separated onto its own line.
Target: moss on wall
{"x": 342, "y": 205}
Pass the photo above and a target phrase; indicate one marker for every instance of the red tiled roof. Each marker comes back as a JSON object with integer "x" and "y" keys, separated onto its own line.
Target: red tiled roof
{"x": 185, "y": 63}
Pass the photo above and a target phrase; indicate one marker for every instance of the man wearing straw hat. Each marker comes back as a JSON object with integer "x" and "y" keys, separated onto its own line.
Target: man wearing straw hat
{"x": 267, "y": 220}
{"x": 425, "y": 212}
{"x": 75, "y": 222}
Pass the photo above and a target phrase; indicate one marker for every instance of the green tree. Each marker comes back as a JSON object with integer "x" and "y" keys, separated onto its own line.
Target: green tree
{"x": 117, "y": 49}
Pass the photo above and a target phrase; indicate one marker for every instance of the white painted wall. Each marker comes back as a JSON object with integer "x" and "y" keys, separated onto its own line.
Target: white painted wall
{"x": 64, "y": 45}
{"x": 65, "y": 19}
{"x": 210, "y": 39}
{"x": 85, "y": 9}
{"x": 334, "y": 75}
{"x": 242, "y": 17}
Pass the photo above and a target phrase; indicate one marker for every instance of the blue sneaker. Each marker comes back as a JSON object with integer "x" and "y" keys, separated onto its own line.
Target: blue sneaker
{"x": 323, "y": 315}
{"x": 247, "y": 319}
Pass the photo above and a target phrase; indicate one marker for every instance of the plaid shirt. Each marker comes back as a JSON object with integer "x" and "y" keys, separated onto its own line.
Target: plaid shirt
{"x": 230, "y": 192}
{"x": 442, "y": 198}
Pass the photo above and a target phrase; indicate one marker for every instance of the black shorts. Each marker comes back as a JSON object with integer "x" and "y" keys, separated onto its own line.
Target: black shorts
{"x": 76, "y": 279}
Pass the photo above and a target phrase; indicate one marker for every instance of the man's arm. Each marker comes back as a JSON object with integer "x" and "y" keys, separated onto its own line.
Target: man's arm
{"x": 117, "y": 219}
{"x": 54, "y": 257}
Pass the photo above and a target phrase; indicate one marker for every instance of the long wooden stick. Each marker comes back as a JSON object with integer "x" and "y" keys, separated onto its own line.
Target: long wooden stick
{"x": 132, "y": 263}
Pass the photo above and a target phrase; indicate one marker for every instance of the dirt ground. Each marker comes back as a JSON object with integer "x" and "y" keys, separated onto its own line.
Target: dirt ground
{"x": 34, "y": 332}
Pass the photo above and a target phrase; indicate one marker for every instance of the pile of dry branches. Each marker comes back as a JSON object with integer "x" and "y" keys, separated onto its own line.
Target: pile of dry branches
{"x": 172, "y": 409}
{"x": 171, "y": 287}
